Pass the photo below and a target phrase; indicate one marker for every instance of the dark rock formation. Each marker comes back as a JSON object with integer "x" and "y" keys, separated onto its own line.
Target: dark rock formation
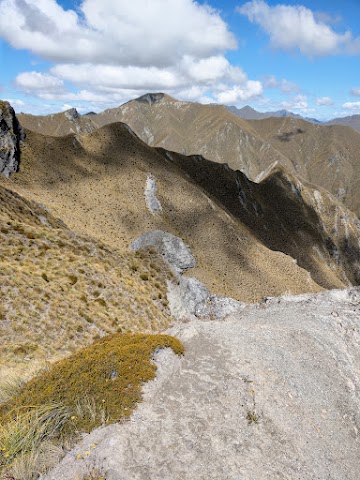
{"x": 11, "y": 134}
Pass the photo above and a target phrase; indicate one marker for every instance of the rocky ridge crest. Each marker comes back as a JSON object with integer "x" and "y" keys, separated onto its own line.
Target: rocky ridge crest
{"x": 11, "y": 135}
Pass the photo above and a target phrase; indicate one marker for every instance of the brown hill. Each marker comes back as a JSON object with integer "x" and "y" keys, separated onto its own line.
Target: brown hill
{"x": 97, "y": 183}
{"x": 58, "y": 124}
{"x": 184, "y": 127}
{"x": 321, "y": 155}
{"x": 352, "y": 121}
{"x": 236, "y": 229}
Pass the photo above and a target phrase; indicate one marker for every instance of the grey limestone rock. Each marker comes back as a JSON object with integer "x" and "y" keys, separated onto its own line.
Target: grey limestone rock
{"x": 150, "y": 98}
{"x": 189, "y": 299}
{"x": 11, "y": 135}
{"x": 72, "y": 114}
{"x": 152, "y": 202}
{"x": 172, "y": 248}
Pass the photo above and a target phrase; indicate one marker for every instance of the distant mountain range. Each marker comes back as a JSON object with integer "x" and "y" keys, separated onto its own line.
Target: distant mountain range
{"x": 323, "y": 155}
{"x": 249, "y": 113}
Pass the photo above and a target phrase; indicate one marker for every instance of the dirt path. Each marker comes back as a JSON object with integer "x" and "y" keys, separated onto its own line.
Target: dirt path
{"x": 270, "y": 394}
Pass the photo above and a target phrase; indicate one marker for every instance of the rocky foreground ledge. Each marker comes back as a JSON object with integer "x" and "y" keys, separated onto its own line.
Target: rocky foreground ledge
{"x": 270, "y": 393}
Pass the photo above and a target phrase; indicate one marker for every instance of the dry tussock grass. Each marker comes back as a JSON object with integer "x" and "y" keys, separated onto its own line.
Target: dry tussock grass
{"x": 61, "y": 291}
{"x": 98, "y": 385}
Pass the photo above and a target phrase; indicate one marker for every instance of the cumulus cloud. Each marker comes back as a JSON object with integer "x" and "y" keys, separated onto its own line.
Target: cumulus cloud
{"x": 285, "y": 86}
{"x": 324, "y": 101}
{"x": 251, "y": 89}
{"x": 140, "y": 33}
{"x": 120, "y": 50}
{"x": 41, "y": 82}
{"x": 299, "y": 102}
{"x": 355, "y": 92}
{"x": 352, "y": 106}
{"x": 298, "y": 28}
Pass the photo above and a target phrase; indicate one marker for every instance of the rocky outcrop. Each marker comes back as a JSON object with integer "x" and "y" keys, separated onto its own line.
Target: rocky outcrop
{"x": 11, "y": 135}
{"x": 172, "y": 248}
{"x": 190, "y": 299}
{"x": 150, "y": 98}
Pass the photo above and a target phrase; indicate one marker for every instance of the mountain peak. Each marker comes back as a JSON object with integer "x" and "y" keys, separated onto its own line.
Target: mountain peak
{"x": 152, "y": 98}
{"x": 72, "y": 114}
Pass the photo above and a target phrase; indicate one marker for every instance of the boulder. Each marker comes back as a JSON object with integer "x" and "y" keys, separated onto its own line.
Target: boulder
{"x": 172, "y": 248}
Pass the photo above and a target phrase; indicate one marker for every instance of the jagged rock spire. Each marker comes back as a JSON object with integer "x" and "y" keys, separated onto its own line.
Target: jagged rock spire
{"x": 11, "y": 135}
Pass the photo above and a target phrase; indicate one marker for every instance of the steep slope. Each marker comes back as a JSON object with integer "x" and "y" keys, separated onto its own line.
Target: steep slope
{"x": 352, "y": 121}
{"x": 327, "y": 156}
{"x": 58, "y": 124}
{"x": 324, "y": 156}
{"x": 112, "y": 186}
{"x": 289, "y": 216}
{"x": 100, "y": 183}
{"x": 61, "y": 290}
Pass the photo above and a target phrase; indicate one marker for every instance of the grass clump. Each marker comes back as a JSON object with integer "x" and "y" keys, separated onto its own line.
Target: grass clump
{"x": 109, "y": 373}
{"x": 99, "y": 384}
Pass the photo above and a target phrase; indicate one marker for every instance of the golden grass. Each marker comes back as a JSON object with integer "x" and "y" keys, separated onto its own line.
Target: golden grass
{"x": 60, "y": 291}
{"x": 100, "y": 384}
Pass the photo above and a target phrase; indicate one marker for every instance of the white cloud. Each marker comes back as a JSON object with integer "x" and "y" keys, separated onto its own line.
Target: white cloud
{"x": 250, "y": 90}
{"x": 297, "y": 27}
{"x": 324, "y": 101}
{"x": 35, "y": 81}
{"x": 355, "y": 92}
{"x": 285, "y": 86}
{"x": 352, "y": 106}
{"x": 299, "y": 102}
{"x": 107, "y": 51}
{"x": 142, "y": 33}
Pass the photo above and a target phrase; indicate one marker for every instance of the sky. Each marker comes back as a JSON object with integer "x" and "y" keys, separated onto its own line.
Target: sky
{"x": 303, "y": 56}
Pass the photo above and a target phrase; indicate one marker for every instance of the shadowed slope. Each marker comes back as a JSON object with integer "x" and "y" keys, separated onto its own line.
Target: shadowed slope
{"x": 97, "y": 184}
{"x": 324, "y": 156}
{"x": 287, "y": 215}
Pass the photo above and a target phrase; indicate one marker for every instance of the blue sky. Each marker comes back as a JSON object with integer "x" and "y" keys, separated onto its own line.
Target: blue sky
{"x": 303, "y": 56}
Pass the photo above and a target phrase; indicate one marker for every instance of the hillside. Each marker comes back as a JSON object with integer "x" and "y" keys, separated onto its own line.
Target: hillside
{"x": 61, "y": 290}
{"x": 249, "y": 113}
{"x": 352, "y": 121}
{"x": 100, "y": 183}
{"x": 322, "y": 155}
{"x": 183, "y": 127}
{"x": 97, "y": 184}
{"x": 58, "y": 124}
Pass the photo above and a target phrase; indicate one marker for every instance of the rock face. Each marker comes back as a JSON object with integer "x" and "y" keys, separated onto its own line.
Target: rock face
{"x": 271, "y": 393}
{"x": 172, "y": 248}
{"x": 11, "y": 134}
{"x": 189, "y": 298}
